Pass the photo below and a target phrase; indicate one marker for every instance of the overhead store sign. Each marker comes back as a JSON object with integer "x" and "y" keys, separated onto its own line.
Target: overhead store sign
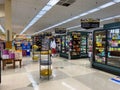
{"x": 60, "y": 30}
{"x": 90, "y": 23}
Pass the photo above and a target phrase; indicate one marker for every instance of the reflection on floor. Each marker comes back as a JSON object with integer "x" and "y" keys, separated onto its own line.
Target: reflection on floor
{"x": 67, "y": 75}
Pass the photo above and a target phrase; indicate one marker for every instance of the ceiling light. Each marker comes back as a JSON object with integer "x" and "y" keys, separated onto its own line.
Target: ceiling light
{"x": 2, "y": 29}
{"x": 53, "y": 2}
{"x": 106, "y": 5}
{"x": 74, "y": 27}
{"x": 44, "y": 10}
{"x": 116, "y": 1}
{"x": 47, "y": 8}
{"x": 93, "y": 10}
{"x": 109, "y": 18}
{"x": 80, "y": 15}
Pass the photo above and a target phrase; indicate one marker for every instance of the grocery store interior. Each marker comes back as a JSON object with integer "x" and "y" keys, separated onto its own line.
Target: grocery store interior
{"x": 59, "y": 44}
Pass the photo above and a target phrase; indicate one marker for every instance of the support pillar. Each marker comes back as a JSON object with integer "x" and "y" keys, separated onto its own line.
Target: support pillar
{"x": 8, "y": 20}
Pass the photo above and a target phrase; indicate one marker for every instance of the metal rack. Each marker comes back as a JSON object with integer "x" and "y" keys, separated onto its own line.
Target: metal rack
{"x": 45, "y": 51}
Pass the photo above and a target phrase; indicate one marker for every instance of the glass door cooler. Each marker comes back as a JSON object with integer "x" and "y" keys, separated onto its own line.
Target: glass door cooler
{"x": 106, "y": 48}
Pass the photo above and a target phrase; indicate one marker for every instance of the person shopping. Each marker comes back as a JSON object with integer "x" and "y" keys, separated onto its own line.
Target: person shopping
{"x": 53, "y": 47}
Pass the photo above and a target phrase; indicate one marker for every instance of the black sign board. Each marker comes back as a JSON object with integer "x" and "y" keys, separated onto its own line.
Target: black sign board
{"x": 60, "y": 30}
{"x": 90, "y": 23}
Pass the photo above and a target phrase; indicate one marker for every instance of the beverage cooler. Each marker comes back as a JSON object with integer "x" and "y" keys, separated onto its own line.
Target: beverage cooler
{"x": 74, "y": 45}
{"x": 106, "y": 48}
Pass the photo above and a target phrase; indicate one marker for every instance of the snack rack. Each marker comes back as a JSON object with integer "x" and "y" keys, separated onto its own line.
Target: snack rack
{"x": 45, "y": 59}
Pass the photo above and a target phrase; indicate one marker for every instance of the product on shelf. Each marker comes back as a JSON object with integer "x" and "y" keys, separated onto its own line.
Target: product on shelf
{"x": 100, "y": 46}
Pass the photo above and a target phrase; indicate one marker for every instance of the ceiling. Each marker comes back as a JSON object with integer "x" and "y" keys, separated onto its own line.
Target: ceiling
{"x": 24, "y": 10}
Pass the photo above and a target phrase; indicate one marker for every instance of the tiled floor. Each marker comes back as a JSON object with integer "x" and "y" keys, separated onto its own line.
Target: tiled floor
{"x": 67, "y": 75}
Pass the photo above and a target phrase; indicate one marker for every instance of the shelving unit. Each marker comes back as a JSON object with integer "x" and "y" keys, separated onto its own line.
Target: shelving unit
{"x": 45, "y": 59}
{"x": 106, "y": 51}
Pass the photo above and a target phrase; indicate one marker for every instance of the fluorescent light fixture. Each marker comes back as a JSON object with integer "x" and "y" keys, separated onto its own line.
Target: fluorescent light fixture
{"x": 41, "y": 13}
{"x": 116, "y": 1}
{"x": 109, "y": 18}
{"x": 74, "y": 27}
{"x": 2, "y": 29}
{"x": 93, "y": 10}
{"x": 80, "y": 15}
{"x": 47, "y": 8}
{"x": 53, "y": 2}
{"x": 106, "y": 5}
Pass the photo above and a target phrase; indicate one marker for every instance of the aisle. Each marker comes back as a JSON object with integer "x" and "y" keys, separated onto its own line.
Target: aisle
{"x": 67, "y": 75}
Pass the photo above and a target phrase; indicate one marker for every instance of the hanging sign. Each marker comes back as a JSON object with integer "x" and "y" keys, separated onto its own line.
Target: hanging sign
{"x": 90, "y": 23}
{"x": 60, "y": 30}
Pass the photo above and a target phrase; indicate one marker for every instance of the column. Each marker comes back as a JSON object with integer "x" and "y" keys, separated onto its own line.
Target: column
{"x": 8, "y": 20}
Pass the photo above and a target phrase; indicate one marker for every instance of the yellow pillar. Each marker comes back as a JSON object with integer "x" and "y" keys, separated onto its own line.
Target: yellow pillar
{"x": 8, "y": 20}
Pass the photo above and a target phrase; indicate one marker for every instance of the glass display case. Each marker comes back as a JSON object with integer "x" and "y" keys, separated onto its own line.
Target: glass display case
{"x": 100, "y": 45}
{"x": 106, "y": 48}
{"x": 63, "y": 44}
{"x": 74, "y": 45}
{"x": 84, "y": 44}
{"x": 113, "y": 40}
{"x": 90, "y": 44}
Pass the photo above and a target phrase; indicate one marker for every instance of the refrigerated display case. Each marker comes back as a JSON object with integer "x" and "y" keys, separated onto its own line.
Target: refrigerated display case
{"x": 113, "y": 47}
{"x": 74, "y": 45}
{"x": 84, "y": 44}
{"x": 106, "y": 48}
{"x": 90, "y": 44}
{"x": 63, "y": 51}
{"x": 99, "y": 46}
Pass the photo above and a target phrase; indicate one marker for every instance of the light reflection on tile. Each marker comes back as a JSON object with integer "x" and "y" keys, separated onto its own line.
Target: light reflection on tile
{"x": 97, "y": 81}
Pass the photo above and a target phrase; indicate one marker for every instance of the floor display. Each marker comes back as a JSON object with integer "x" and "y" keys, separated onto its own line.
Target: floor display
{"x": 36, "y": 47}
{"x": 23, "y": 42}
{"x": 106, "y": 51}
{"x": 74, "y": 45}
{"x": 45, "y": 58}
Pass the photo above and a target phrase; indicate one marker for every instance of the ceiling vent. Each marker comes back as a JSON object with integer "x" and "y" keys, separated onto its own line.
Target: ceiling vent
{"x": 66, "y": 3}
